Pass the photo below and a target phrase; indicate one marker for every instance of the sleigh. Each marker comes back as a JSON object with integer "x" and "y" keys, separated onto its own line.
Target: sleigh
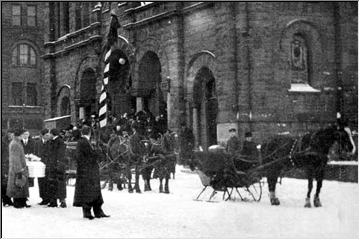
{"x": 217, "y": 171}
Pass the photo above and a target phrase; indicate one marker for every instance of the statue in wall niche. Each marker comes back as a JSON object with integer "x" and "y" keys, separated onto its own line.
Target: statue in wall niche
{"x": 298, "y": 54}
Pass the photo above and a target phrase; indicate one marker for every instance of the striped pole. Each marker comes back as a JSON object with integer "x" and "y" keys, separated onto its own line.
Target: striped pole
{"x": 103, "y": 96}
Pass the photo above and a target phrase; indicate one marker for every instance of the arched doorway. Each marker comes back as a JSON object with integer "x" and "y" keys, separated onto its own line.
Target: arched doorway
{"x": 65, "y": 106}
{"x": 154, "y": 100}
{"x": 87, "y": 102}
{"x": 205, "y": 108}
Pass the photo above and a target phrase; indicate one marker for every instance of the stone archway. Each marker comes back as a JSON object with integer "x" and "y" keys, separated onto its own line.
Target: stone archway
{"x": 205, "y": 108}
{"x": 63, "y": 102}
{"x": 201, "y": 100}
{"x": 150, "y": 96}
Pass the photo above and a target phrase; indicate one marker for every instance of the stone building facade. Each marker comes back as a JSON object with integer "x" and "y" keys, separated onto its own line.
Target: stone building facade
{"x": 265, "y": 67}
{"x": 22, "y": 41}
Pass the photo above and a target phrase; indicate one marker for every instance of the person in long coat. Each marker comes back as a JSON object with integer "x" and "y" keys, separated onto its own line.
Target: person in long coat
{"x": 57, "y": 166}
{"x": 18, "y": 184}
{"x": 29, "y": 148}
{"x": 42, "y": 148}
{"x": 5, "y": 141}
{"x": 187, "y": 142}
{"x": 87, "y": 187}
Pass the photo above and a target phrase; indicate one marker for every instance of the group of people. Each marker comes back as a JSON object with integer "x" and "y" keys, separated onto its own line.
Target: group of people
{"x": 17, "y": 146}
{"x": 244, "y": 156}
{"x": 50, "y": 147}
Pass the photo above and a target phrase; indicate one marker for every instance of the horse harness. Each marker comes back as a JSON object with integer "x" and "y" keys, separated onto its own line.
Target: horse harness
{"x": 296, "y": 148}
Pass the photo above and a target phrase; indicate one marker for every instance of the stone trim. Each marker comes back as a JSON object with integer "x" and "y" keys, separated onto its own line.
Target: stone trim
{"x": 76, "y": 45}
{"x": 73, "y": 34}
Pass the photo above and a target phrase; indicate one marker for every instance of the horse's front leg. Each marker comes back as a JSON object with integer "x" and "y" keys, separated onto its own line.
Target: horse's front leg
{"x": 272, "y": 179}
{"x": 310, "y": 186}
{"x": 137, "y": 175}
{"x": 129, "y": 177}
{"x": 167, "y": 185}
{"x": 319, "y": 179}
{"x": 161, "y": 185}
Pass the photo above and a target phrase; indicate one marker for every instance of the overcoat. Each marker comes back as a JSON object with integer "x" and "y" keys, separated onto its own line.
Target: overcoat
{"x": 87, "y": 186}
{"x": 233, "y": 145}
{"x": 17, "y": 166}
{"x": 56, "y": 168}
{"x": 29, "y": 147}
{"x": 4, "y": 159}
{"x": 42, "y": 150}
{"x": 187, "y": 142}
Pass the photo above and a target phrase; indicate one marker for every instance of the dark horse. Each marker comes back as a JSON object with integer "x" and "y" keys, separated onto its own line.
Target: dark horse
{"x": 309, "y": 152}
{"x": 120, "y": 155}
{"x": 162, "y": 159}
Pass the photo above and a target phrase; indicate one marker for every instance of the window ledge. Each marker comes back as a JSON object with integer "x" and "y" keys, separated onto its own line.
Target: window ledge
{"x": 21, "y": 106}
{"x": 303, "y": 88}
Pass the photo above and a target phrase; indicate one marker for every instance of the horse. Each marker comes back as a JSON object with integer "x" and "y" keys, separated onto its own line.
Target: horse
{"x": 167, "y": 162}
{"x": 120, "y": 154}
{"x": 309, "y": 152}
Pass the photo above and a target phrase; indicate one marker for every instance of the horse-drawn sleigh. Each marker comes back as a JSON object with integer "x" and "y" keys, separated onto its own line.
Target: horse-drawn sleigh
{"x": 278, "y": 155}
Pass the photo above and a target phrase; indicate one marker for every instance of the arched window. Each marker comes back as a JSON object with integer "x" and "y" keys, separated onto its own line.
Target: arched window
{"x": 23, "y": 55}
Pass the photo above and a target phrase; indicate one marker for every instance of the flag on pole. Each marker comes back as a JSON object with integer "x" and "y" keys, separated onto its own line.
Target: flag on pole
{"x": 103, "y": 100}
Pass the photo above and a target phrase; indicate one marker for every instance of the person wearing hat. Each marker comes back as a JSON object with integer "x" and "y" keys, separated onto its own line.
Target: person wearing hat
{"x": 5, "y": 141}
{"x": 42, "y": 147}
{"x": 57, "y": 165}
{"x": 18, "y": 183}
{"x": 87, "y": 186}
{"x": 29, "y": 147}
{"x": 249, "y": 153}
{"x": 233, "y": 145}
{"x": 187, "y": 143}
{"x": 137, "y": 150}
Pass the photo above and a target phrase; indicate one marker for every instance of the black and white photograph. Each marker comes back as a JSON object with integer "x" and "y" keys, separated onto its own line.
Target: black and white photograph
{"x": 179, "y": 119}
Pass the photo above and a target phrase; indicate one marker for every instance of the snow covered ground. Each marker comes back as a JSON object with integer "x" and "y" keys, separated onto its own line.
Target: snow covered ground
{"x": 176, "y": 215}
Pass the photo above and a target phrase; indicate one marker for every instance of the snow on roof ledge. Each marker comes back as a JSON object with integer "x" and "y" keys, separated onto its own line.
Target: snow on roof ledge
{"x": 302, "y": 87}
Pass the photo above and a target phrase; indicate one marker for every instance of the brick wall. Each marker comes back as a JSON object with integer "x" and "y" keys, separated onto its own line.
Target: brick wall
{"x": 12, "y": 36}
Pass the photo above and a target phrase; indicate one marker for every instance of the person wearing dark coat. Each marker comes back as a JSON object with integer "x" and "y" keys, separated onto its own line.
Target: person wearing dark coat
{"x": 249, "y": 153}
{"x": 57, "y": 166}
{"x": 87, "y": 187}
{"x": 18, "y": 184}
{"x": 29, "y": 148}
{"x": 5, "y": 141}
{"x": 187, "y": 142}
{"x": 233, "y": 145}
{"x": 42, "y": 148}
{"x": 138, "y": 151}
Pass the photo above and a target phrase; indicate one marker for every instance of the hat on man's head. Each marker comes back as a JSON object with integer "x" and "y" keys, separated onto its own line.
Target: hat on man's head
{"x": 232, "y": 130}
{"x": 44, "y": 131}
{"x": 19, "y": 131}
{"x": 248, "y": 134}
{"x": 55, "y": 131}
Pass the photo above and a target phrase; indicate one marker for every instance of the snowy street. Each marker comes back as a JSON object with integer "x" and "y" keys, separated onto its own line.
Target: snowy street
{"x": 176, "y": 215}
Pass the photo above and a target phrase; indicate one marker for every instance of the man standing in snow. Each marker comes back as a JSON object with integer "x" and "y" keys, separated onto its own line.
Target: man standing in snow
{"x": 87, "y": 187}
{"x": 29, "y": 148}
{"x": 5, "y": 142}
{"x": 187, "y": 142}
{"x": 57, "y": 182}
{"x": 42, "y": 147}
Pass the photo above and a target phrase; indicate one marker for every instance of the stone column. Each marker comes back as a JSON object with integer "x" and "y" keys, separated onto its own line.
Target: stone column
{"x": 195, "y": 125}
{"x": 139, "y": 104}
{"x": 81, "y": 112}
